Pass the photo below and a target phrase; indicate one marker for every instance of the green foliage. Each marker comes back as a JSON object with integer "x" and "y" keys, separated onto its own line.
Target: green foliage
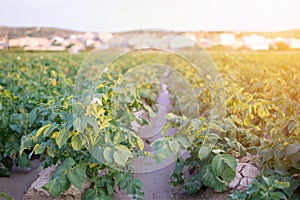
{"x": 216, "y": 171}
{"x": 66, "y": 174}
{"x": 259, "y": 114}
{"x": 270, "y": 185}
{"x": 96, "y": 137}
{"x": 29, "y": 89}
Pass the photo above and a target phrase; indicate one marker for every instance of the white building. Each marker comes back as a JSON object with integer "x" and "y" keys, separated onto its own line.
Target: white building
{"x": 87, "y": 36}
{"x": 104, "y": 36}
{"x": 256, "y": 42}
{"x": 227, "y": 39}
{"x": 57, "y": 40}
{"x": 294, "y": 43}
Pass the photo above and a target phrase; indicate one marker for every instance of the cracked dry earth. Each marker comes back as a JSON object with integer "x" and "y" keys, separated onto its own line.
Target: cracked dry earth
{"x": 246, "y": 171}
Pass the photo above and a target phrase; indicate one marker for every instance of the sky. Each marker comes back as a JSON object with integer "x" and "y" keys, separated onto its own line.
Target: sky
{"x": 176, "y": 15}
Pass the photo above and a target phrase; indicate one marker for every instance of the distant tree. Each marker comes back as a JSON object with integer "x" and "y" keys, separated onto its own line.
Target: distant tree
{"x": 281, "y": 46}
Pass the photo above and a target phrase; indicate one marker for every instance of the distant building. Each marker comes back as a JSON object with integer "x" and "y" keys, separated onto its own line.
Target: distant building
{"x": 256, "y": 42}
{"x": 57, "y": 40}
{"x": 294, "y": 43}
{"x": 227, "y": 39}
{"x": 104, "y": 36}
{"x": 237, "y": 44}
{"x": 87, "y": 36}
{"x": 29, "y": 42}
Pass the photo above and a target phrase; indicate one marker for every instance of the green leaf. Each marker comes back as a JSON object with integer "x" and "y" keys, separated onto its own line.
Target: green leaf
{"x": 224, "y": 165}
{"x": 62, "y": 137}
{"x": 49, "y": 130}
{"x": 212, "y": 137}
{"x": 69, "y": 162}
{"x": 203, "y": 152}
{"x": 121, "y": 154}
{"x": 57, "y": 185}
{"x": 217, "y": 165}
{"x": 281, "y": 184}
{"x": 174, "y": 146}
{"x": 26, "y": 143}
{"x": 80, "y": 124}
{"x": 185, "y": 141}
{"x": 267, "y": 180}
{"x": 196, "y": 124}
{"x": 211, "y": 180}
{"x": 89, "y": 194}
{"x": 110, "y": 189}
{"x": 23, "y": 161}
{"x": 93, "y": 122}
{"x": 98, "y": 154}
{"x": 230, "y": 161}
{"x": 117, "y": 137}
{"x": 193, "y": 184}
{"x": 292, "y": 149}
{"x": 120, "y": 158}
{"x": 108, "y": 154}
{"x": 38, "y": 133}
{"x": 162, "y": 150}
{"x": 50, "y": 151}
{"x": 278, "y": 195}
{"x": 39, "y": 148}
{"x": 77, "y": 176}
{"x": 137, "y": 183}
{"x": 32, "y": 116}
{"x": 76, "y": 142}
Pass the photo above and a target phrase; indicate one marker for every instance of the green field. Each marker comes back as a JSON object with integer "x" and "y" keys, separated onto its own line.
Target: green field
{"x": 260, "y": 116}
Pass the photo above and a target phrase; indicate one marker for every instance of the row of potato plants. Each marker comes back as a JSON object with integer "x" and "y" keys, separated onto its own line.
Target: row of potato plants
{"x": 260, "y": 116}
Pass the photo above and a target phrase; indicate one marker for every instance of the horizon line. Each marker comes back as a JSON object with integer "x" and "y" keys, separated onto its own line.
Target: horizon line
{"x": 137, "y": 29}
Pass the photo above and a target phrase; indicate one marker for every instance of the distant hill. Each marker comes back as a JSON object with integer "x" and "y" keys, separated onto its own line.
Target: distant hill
{"x": 16, "y": 32}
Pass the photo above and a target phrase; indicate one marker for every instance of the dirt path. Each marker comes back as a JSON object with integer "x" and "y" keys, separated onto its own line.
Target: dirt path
{"x": 156, "y": 178}
{"x": 19, "y": 181}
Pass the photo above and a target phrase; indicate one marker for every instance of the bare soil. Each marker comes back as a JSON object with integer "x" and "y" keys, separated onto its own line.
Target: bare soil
{"x": 19, "y": 181}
